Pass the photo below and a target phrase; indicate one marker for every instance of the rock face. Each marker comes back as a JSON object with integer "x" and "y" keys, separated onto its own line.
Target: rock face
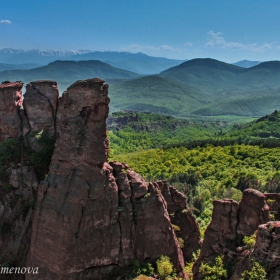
{"x": 146, "y": 230}
{"x": 183, "y": 221}
{"x": 230, "y": 223}
{"x": 266, "y": 252}
{"x": 16, "y": 201}
{"x": 220, "y": 235}
{"x": 267, "y": 249}
{"x": 91, "y": 216}
{"x": 40, "y": 105}
{"x": 18, "y": 180}
{"x": 10, "y": 103}
{"x": 253, "y": 211}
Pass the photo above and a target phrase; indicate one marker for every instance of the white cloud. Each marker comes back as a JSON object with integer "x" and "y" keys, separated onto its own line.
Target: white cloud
{"x": 166, "y": 48}
{"x": 5, "y": 21}
{"x": 188, "y": 44}
{"x": 263, "y": 47}
{"x": 217, "y": 40}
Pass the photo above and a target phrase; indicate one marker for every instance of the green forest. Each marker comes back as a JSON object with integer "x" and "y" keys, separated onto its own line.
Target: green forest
{"x": 205, "y": 160}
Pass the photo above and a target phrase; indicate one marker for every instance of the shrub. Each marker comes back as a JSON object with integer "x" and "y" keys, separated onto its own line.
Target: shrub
{"x": 257, "y": 272}
{"x": 215, "y": 272}
{"x": 250, "y": 240}
{"x": 181, "y": 242}
{"x": 189, "y": 265}
{"x": 164, "y": 267}
{"x": 175, "y": 227}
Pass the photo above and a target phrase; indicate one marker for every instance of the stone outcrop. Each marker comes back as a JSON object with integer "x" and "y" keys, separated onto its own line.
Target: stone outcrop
{"x": 10, "y": 104}
{"x": 220, "y": 235}
{"x": 183, "y": 221}
{"x": 92, "y": 217}
{"x": 266, "y": 252}
{"x": 18, "y": 180}
{"x": 253, "y": 211}
{"x": 17, "y": 197}
{"x": 267, "y": 249}
{"x": 40, "y": 105}
{"x": 230, "y": 223}
{"x": 146, "y": 229}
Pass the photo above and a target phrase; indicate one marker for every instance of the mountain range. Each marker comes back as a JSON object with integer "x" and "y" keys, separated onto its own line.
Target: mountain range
{"x": 135, "y": 62}
{"x": 203, "y": 87}
{"x": 67, "y": 72}
{"x": 197, "y": 87}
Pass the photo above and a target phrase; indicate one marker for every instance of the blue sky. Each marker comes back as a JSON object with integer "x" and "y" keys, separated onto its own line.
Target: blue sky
{"x": 228, "y": 30}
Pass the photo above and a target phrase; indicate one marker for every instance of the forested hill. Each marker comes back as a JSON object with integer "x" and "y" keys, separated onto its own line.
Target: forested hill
{"x": 264, "y": 127}
{"x": 135, "y": 131}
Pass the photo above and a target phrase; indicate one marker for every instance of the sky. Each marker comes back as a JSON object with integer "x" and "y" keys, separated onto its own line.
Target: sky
{"x": 227, "y": 30}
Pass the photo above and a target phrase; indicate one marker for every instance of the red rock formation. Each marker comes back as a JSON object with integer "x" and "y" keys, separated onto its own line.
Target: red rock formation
{"x": 146, "y": 230}
{"x": 40, "y": 105}
{"x": 16, "y": 202}
{"x": 182, "y": 219}
{"x": 267, "y": 249}
{"x": 92, "y": 217}
{"x": 77, "y": 205}
{"x": 220, "y": 235}
{"x": 230, "y": 223}
{"x": 266, "y": 252}
{"x": 253, "y": 211}
{"x": 10, "y": 103}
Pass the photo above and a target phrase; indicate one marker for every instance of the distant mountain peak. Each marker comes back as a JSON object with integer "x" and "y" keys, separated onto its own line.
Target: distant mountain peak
{"x": 206, "y": 63}
{"x": 246, "y": 63}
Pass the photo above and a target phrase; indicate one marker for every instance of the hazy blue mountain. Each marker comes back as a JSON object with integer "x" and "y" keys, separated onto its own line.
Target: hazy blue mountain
{"x": 135, "y": 62}
{"x": 67, "y": 72}
{"x": 246, "y": 63}
{"x": 6, "y": 66}
{"x": 41, "y": 57}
